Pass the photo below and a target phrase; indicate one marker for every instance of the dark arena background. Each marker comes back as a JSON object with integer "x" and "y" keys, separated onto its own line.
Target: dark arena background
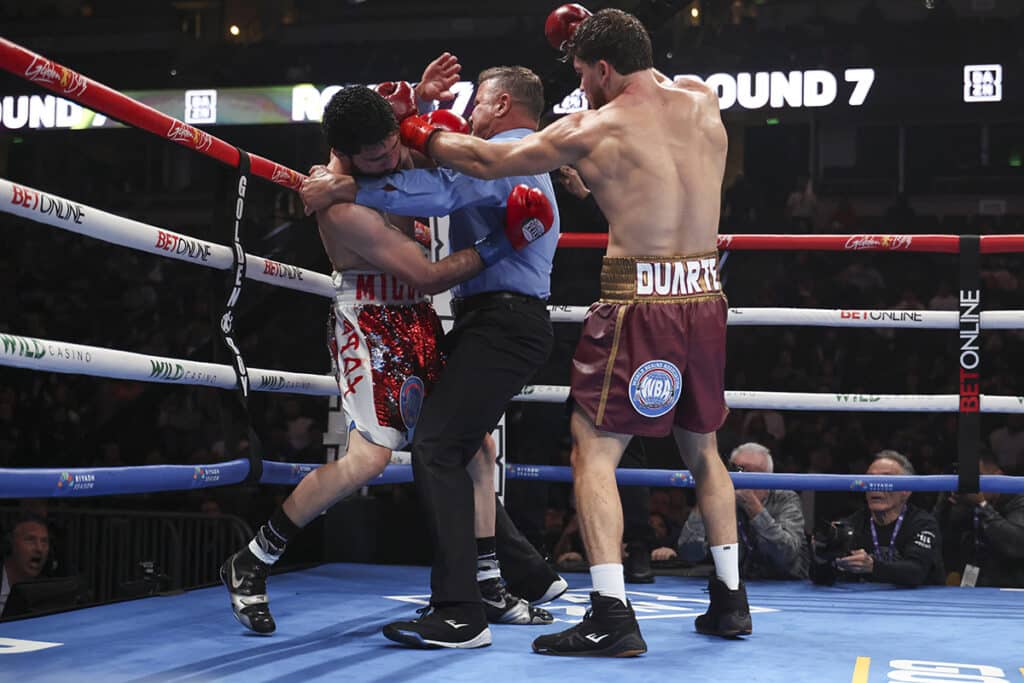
{"x": 871, "y": 232}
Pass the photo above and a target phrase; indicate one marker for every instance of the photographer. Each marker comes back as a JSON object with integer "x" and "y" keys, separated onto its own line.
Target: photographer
{"x": 889, "y": 541}
{"x": 984, "y": 533}
{"x": 770, "y": 525}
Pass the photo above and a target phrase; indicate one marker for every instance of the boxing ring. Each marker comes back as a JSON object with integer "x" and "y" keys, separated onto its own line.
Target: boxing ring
{"x": 329, "y": 618}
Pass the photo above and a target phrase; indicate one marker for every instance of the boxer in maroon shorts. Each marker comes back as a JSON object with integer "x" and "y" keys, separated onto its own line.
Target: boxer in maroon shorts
{"x": 652, "y": 352}
{"x": 652, "y": 150}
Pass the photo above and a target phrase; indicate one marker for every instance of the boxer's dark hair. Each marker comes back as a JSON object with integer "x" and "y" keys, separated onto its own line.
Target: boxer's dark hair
{"x": 357, "y": 117}
{"x": 615, "y": 36}
{"x": 520, "y": 83}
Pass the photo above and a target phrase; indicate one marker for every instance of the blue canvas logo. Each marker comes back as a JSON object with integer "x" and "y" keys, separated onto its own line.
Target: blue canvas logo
{"x": 410, "y": 401}
{"x": 655, "y": 387}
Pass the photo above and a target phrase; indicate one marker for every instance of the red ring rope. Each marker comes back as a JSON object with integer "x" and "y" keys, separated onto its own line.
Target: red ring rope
{"x": 946, "y": 244}
{"x": 74, "y": 86}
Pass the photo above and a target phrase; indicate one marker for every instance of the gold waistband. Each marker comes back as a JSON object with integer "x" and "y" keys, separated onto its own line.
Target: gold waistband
{"x": 660, "y": 279}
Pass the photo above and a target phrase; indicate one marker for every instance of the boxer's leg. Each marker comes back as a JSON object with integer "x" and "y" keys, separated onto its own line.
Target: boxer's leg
{"x": 245, "y": 573}
{"x": 610, "y": 628}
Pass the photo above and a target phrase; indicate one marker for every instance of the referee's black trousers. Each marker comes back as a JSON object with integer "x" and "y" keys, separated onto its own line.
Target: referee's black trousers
{"x": 493, "y": 350}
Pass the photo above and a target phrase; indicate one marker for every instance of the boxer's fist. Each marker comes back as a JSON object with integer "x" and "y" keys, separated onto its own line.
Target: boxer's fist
{"x": 528, "y": 217}
{"x": 415, "y": 132}
{"x": 561, "y": 24}
{"x": 446, "y": 119}
{"x": 399, "y": 95}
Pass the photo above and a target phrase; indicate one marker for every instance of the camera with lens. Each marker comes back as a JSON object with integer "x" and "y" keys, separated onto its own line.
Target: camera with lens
{"x": 833, "y": 540}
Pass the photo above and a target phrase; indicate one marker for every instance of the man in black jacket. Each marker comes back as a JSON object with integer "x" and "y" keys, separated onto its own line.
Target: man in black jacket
{"x": 893, "y": 541}
{"x": 984, "y": 531}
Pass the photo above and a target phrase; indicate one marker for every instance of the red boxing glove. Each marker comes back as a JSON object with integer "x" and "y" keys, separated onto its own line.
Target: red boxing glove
{"x": 400, "y": 96}
{"x": 421, "y": 233}
{"x": 528, "y": 217}
{"x": 415, "y": 132}
{"x": 561, "y": 24}
{"x": 446, "y": 119}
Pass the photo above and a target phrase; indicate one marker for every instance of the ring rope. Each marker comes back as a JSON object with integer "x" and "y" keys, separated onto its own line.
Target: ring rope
{"x": 72, "y": 85}
{"x": 944, "y": 244}
{"x": 103, "y": 481}
{"x": 54, "y": 356}
{"x": 65, "y": 214}
{"x": 793, "y": 400}
{"x": 835, "y": 317}
{"x": 45, "y": 355}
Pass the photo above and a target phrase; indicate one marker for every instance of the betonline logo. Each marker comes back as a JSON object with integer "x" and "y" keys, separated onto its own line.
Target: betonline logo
{"x": 970, "y": 327}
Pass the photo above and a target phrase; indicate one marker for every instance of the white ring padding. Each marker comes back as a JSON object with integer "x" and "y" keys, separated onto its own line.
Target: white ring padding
{"x": 836, "y": 317}
{"x": 53, "y": 356}
{"x": 788, "y": 400}
{"x": 66, "y": 214}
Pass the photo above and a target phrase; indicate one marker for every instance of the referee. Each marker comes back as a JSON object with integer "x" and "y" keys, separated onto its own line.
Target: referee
{"x": 502, "y": 335}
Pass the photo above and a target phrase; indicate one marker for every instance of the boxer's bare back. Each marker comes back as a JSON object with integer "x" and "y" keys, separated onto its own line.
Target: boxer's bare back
{"x": 653, "y": 155}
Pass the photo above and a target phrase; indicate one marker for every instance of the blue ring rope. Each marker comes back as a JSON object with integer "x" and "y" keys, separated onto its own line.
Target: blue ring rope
{"x": 104, "y": 481}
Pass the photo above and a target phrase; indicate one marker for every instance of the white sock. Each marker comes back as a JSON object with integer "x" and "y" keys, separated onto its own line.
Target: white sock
{"x": 261, "y": 553}
{"x": 609, "y": 580}
{"x": 727, "y": 564}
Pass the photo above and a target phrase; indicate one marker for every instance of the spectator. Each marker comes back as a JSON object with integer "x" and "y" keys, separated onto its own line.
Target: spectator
{"x": 801, "y": 205}
{"x": 984, "y": 531}
{"x": 26, "y": 550}
{"x": 771, "y": 525}
{"x": 1007, "y": 443}
{"x": 905, "y": 547}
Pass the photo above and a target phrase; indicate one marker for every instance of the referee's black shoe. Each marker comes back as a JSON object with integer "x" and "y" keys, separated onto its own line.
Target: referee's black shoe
{"x": 462, "y": 625}
{"x": 728, "y": 614}
{"x": 245, "y": 577}
{"x": 608, "y": 629}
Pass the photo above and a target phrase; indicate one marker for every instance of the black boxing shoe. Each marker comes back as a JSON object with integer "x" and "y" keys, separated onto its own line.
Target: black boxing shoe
{"x": 501, "y": 607}
{"x": 728, "y": 614}
{"x": 245, "y": 577}
{"x": 461, "y": 625}
{"x": 608, "y": 629}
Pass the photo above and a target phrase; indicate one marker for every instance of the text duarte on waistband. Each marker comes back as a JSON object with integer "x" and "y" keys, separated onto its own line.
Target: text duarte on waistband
{"x": 677, "y": 278}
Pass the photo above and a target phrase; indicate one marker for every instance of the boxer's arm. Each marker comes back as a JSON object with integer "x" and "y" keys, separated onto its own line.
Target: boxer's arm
{"x": 565, "y": 141}
{"x": 430, "y": 192}
{"x": 365, "y": 232}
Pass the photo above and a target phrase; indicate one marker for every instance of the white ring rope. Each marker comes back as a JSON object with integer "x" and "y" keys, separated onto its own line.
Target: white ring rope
{"x": 792, "y": 400}
{"x": 54, "y": 356}
{"x": 838, "y": 317}
{"x": 66, "y": 214}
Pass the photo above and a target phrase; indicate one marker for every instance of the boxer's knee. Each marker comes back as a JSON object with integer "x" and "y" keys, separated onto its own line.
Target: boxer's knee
{"x": 368, "y": 458}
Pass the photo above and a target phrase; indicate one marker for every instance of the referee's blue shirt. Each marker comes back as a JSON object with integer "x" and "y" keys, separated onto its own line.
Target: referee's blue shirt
{"x": 475, "y": 208}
